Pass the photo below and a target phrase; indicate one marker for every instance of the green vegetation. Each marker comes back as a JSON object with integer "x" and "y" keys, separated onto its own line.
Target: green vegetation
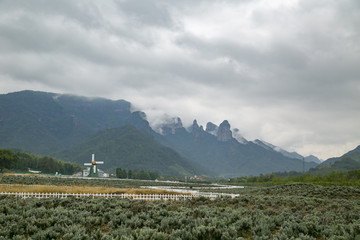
{"x": 7, "y": 159}
{"x": 296, "y": 211}
{"x": 134, "y": 174}
{"x": 351, "y": 178}
{"x": 22, "y": 161}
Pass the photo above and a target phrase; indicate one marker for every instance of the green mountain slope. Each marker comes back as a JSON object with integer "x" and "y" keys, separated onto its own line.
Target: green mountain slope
{"x": 126, "y": 147}
{"x": 43, "y": 123}
{"x": 348, "y": 161}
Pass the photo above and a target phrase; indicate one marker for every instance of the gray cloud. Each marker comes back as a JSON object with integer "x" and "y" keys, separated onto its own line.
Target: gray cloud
{"x": 284, "y": 71}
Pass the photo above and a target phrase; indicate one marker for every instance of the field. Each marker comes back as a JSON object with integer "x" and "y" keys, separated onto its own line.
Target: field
{"x": 78, "y": 189}
{"x": 292, "y": 211}
{"x": 65, "y": 181}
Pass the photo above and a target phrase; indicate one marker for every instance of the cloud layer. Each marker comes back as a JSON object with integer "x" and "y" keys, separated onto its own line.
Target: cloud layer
{"x": 287, "y": 72}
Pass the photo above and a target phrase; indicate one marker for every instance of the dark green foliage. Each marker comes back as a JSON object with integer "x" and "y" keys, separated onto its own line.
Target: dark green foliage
{"x": 129, "y": 148}
{"x": 121, "y": 173}
{"x": 22, "y": 161}
{"x": 134, "y": 174}
{"x": 7, "y": 159}
{"x": 332, "y": 178}
{"x": 346, "y": 163}
{"x": 297, "y": 211}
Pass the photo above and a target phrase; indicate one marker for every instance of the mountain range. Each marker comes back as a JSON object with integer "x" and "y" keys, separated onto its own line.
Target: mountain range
{"x": 216, "y": 149}
{"x": 72, "y": 127}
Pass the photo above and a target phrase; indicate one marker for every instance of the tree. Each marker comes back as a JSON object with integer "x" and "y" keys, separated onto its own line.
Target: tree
{"x": 143, "y": 175}
{"x": 153, "y": 175}
{"x": 121, "y": 173}
{"x": 7, "y": 159}
{"x": 130, "y": 174}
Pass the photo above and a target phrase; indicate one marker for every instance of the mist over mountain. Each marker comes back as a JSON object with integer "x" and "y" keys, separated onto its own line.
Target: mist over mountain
{"x": 295, "y": 155}
{"x": 73, "y": 127}
{"x": 217, "y": 150}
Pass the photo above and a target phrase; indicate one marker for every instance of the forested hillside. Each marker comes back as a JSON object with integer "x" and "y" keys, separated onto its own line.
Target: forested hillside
{"x": 128, "y": 148}
{"x": 43, "y": 123}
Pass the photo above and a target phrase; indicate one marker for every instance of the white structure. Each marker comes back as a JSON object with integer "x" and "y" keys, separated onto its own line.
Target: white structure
{"x": 93, "y": 172}
{"x": 32, "y": 171}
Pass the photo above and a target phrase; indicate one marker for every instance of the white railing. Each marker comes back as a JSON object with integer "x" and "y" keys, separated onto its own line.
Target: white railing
{"x": 146, "y": 197}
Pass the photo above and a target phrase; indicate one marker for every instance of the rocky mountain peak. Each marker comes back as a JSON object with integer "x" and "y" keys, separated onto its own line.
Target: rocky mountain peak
{"x": 211, "y": 128}
{"x": 224, "y": 133}
{"x": 170, "y": 126}
{"x": 195, "y": 129}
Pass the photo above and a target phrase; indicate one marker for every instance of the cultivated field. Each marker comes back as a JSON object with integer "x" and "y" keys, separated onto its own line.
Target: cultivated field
{"x": 77, "y": 189}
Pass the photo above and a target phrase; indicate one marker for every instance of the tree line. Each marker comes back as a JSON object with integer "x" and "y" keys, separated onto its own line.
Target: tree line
{"x": 135, "y": 174}
{"x": 351, "y": 177}
{"x": 22, "y": 161}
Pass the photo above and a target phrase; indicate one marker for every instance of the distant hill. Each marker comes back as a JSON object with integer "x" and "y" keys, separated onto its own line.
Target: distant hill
{"x": 348, "y": 161}
{"x": 128, "y": 148}
{"x": 333, "y": 159}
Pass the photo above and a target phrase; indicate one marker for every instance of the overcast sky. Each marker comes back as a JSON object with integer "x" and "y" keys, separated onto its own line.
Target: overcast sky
{"x": 287, "y": 72}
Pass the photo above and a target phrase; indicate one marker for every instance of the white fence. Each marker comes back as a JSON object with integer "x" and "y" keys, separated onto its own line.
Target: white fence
{"x": 146, "y": 197}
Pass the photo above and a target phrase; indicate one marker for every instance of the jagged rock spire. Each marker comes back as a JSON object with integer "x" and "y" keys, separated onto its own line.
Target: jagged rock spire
{"x": 195, "y": 129}
{"x": 171, "y": 125}
{"x": 212, "y": 128}
{"x": 224, "y": 133}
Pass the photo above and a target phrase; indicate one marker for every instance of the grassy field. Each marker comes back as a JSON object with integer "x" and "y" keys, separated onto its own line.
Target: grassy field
{"x": 102, "y": 182}
{"x": 78, "y": 189}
